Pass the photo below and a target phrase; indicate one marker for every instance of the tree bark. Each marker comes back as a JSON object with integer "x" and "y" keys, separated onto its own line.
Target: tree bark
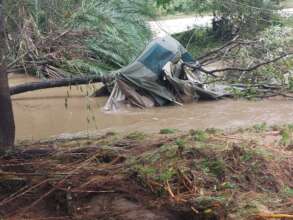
{"x": 7, "y": 127}
{"x": 27, "y": 87}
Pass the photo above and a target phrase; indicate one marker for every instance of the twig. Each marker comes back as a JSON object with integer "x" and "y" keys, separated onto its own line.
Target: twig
{"x": 55, "y": 218}
{"x": 3, "y": 202}
{"x": 85, "y": 163}
{"x": 37, "y": 44}
{"x": 170, "y": 190}
{"x": 36, "y": 174}
{"x": 85, "y": 191}
{"x": 219, "y": 49}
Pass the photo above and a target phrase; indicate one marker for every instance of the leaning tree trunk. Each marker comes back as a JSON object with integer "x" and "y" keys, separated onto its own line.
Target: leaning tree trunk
{"x": 7, "y": 128}
{"x": 46, "y": 84}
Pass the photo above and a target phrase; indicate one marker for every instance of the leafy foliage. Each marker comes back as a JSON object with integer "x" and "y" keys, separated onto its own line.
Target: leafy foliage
{"x": 120, "y": 30}
{"x": 103, "y": 35}
{"x": 182, "y": 6}
{"x": 199, "y": 40}
{"x": 168, "y": 131}
{"x": 271, "y": 43}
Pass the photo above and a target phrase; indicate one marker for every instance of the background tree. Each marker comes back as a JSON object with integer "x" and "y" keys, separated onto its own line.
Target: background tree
{"x": 7, "y": 128}
{"x": 244, "y": 16}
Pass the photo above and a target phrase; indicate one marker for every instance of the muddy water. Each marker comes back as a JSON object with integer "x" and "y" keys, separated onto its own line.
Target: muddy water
{"x": 46, "y": 113}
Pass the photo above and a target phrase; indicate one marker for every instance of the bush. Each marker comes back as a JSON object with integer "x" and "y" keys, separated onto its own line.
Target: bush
{"x": 248, "y": 16}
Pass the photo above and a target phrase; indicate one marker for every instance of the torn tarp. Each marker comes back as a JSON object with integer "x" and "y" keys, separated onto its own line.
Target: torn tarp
{"x": 159, "y": 77}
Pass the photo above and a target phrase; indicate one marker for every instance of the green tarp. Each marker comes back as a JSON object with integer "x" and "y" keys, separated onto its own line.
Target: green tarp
{"x": 159, "y": 77}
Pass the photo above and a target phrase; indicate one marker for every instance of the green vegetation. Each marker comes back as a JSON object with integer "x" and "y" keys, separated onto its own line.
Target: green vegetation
{"x": 136, "y": 136}
{"x": 199, "y": 135}
{"x": 182, "y": 6}
{"x": 94, "y": 37}
{"x": 274, "y": 41}
{"x": 245, "y": 15}
{"x": 260, "y": 127}
{"x": 287, "y": 135}
{"x": 168, "y": 131}
{"x": 85, "y": 36}
{"x": 215, "y": 166}
{"x": 199, "y": 41}
{"x": 288, "y": 191}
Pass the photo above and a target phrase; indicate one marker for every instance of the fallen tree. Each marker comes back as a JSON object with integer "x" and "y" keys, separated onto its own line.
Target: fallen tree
{"x": 247, "y": 62}
{"x": 76, "y": 36}
{"x": 82, "y": 80}
{"x": 27, "y": 87}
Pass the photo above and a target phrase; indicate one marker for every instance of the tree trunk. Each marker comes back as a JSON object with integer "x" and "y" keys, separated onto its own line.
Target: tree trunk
{"x": 7, "y": 127}
{"x": 28, "y": 87}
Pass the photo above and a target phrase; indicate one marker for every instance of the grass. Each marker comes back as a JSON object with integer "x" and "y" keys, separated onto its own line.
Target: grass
{"x": 136, "y": 136}
{"x": 168, "y": 131}
{"x": 260, "y": 127}
{"x": 287, "y": 135}
{"x": 199, "y": 135}
{"x": 287, "y": 191}
{"x": 215, "y": 164}
{"x": 215, "y": 167}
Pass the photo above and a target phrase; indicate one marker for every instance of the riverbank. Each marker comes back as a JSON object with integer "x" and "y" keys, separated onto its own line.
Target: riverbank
{"x": 211, "y": 174}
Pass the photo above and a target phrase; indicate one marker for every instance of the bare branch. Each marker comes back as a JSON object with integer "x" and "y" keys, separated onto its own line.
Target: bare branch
{"x": 218, "y": 49}
{"x": 211, "y": 72}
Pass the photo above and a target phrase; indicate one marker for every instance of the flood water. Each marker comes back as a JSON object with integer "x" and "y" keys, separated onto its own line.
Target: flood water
{"x": 46, "y": 113}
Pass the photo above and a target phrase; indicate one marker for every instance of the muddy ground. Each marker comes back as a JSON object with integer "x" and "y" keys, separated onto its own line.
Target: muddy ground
{"x": 200, "y": 174}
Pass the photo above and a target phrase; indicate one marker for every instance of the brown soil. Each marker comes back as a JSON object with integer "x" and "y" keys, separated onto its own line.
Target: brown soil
{"x": 197, "y": 175}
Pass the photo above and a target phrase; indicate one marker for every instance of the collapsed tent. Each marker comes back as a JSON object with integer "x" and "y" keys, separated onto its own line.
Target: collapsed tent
{"x": 161, "y": 75}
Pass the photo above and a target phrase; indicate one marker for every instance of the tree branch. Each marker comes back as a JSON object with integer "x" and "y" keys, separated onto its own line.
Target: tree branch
{"x": 211, "y": 72}
{"x": 218, "y": 49}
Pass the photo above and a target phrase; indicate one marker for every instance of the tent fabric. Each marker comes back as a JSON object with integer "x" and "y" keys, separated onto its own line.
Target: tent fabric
{"x": 158, "y": 77}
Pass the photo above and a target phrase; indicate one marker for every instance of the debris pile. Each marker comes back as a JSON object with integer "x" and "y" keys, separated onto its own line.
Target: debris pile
{"x": 211, "y": 174}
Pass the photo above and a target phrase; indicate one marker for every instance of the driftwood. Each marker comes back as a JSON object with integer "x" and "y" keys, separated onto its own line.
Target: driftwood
{"x": 27, "y": 87}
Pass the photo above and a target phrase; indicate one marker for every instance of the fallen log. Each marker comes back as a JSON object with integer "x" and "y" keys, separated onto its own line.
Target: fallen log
{"x": 28, "y": 87}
